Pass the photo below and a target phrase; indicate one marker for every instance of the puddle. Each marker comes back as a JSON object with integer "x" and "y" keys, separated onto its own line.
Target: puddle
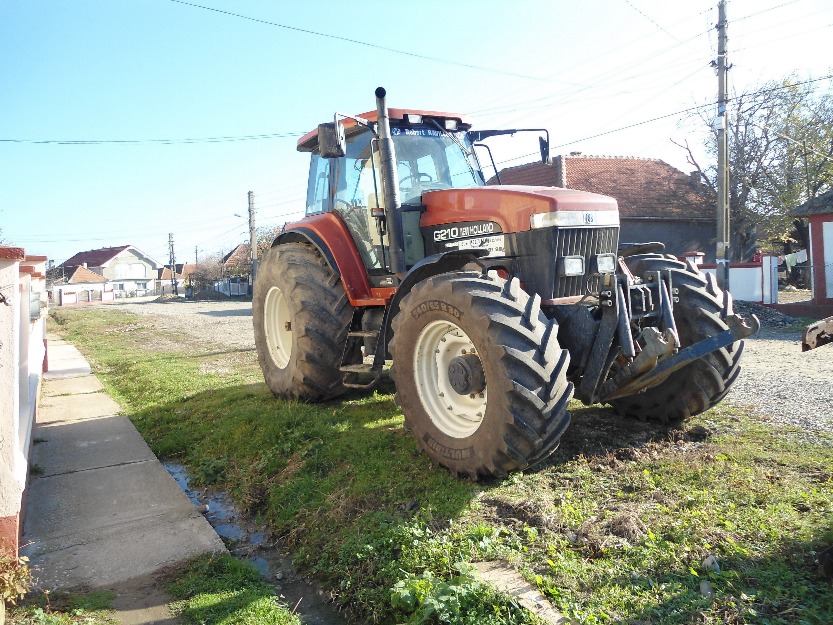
{"x": 256, "y": 546}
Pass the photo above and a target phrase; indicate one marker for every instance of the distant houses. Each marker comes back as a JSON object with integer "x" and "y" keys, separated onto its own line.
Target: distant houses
{"x": 109, "y": 273}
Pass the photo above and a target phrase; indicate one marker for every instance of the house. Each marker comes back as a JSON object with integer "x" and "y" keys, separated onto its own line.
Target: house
{"x": 657, "y": 202}
{"x": 182, "y": 275}
{"x": 818, "y": 211}
{"x": 22, "y": 362}
{"x": 238, "y": 261}
{"x": 128, "y": 269}
{"x": 77, "y": 285}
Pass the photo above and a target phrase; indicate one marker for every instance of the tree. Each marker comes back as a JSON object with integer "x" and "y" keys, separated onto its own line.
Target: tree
{"x": 208, "y": 271}
{"x": 780, "y": 155}
{"x": 265, "y": 236}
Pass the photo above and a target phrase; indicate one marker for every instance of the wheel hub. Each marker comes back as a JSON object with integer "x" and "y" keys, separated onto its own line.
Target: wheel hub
{"x": 465, "y": 373}
{"x": 450, "y": 379}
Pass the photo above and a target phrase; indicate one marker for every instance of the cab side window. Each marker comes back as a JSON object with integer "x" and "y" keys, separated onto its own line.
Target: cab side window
{"x": 318, "y": 189}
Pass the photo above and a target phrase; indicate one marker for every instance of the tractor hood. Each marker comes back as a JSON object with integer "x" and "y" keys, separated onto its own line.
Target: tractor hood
{"x": 519, "y": 208}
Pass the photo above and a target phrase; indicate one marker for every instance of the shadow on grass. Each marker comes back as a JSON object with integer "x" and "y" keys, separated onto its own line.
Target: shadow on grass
{"x": 246, "y": 312}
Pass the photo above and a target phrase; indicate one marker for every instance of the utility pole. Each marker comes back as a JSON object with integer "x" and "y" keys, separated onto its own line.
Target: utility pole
{"x": 196, "y": 258}
{"x": 252, "y": 235}
{"x": 172, "y": 261}
{"x": 723, "y": 252}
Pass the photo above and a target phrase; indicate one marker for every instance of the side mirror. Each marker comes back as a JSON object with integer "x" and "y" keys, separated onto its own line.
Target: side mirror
{"x": 544, "y": 146}
{"x": 331, "y": 142}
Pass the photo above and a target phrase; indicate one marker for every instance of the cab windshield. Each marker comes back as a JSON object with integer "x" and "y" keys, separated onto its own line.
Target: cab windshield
{"x": 429, "y": 159}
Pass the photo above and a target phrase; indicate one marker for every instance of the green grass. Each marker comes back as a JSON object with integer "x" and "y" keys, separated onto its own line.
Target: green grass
{"x": 613, "y": 528}
{"x": 221, "y": 589}
{"x": 60, "y": 608}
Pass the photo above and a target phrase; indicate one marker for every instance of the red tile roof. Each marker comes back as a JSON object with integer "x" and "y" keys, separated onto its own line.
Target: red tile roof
{"x": 12, "y": 253}
{"x": 182, "y": 271}
{"x": 165, "y": 274}
{"x": 82, "y": 275}
{"x": 237, "y": 256}
{"x": 643, "y": 188}
{"x": 95, "y": 258}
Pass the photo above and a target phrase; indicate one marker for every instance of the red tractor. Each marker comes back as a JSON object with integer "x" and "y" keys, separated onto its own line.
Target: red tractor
{"x": 495, "y": 303}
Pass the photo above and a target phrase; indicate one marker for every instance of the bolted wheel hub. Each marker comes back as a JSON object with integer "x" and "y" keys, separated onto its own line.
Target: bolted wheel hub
{"x": 465, "y": 373}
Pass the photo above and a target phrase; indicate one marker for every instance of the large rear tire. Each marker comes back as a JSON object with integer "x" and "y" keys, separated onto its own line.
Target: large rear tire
{"x": 479, "y": 374}
{"x": 703, "y": 383}
{"x": 301, "y": 319}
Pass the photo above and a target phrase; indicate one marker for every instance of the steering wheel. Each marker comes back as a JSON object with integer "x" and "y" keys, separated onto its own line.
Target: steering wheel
{"x": 349, "y": 207}
{"x": 418, "y": 177}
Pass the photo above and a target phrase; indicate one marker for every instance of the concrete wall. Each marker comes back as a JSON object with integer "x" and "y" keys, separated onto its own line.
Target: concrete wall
{"x": 71, "y": 294}
{"x": 22, "y": 354}
{"x": 752, "y": 282}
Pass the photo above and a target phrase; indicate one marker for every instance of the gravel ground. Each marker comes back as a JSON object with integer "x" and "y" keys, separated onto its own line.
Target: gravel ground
{"x": 783, "y": 384}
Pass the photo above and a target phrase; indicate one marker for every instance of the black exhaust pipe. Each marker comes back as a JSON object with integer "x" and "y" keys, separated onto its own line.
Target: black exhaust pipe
{"x": 390, "y": 186}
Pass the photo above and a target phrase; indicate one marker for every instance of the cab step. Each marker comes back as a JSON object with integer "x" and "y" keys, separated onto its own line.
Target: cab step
{"x": 358, "y": 368}
{"x": 361, "y": 368}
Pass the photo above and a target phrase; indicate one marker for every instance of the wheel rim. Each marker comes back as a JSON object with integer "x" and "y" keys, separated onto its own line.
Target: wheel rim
{"x": 455, "y": 415}
{"x": 277, "y": 323}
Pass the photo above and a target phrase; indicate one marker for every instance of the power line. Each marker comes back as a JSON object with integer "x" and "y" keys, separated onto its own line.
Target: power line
{"x": 118, "y": 141}
{"x": 647, "y": 17}
{"x": 227, "y": 139}
{"x": 757, "y": 93}
{"x": 363, "y": 43}
{"x": 777, "y": 6}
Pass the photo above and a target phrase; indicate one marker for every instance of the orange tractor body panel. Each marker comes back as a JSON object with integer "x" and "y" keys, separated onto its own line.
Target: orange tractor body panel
{"x": 509, "y": 206}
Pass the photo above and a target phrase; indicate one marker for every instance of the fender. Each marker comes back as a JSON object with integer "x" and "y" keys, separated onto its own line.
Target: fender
{"x": 331, "y": 237}
{"x": 453, "y": 260}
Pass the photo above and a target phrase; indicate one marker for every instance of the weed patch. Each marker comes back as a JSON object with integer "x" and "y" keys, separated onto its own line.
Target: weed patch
{"x": 62, "y": 608}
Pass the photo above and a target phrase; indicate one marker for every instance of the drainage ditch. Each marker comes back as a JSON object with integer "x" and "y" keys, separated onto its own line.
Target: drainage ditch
{"x": 257, "y": 546}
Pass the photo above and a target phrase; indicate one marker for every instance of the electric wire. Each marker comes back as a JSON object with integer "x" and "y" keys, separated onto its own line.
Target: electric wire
{"x": 363, "y": 43}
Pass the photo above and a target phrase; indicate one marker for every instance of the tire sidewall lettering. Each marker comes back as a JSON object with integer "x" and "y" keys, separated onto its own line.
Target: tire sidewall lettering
{"x": 432, "y": 306}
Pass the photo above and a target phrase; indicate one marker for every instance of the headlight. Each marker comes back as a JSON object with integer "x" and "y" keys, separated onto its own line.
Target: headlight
{"x": 572, "y": 266}
{"x": 606, "y": 263}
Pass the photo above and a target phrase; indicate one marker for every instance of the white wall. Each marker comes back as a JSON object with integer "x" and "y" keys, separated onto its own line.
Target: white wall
{"x": 12, "y": 462}
{"x": 827, "y": 238}
{"x": 22, "y": 351}
{"x": 753, "y": 283}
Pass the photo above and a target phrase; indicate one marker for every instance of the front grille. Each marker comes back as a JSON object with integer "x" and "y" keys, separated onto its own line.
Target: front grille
{"x": 585, "y": 242}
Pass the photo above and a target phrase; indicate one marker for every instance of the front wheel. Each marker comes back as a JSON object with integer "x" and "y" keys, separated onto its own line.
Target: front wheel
{"x": 703, "y": 383}
{"x": 479, "y": 374}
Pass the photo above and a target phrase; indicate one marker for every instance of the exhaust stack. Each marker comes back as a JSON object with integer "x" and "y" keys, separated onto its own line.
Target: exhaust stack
{"x": 390, "y": 185}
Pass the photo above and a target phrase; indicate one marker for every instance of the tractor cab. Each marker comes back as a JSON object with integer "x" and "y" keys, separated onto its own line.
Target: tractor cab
{"x": 432, "y": 152}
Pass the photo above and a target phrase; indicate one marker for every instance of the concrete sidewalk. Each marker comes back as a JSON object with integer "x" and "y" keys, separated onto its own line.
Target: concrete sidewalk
{"x": 101, "y": 511}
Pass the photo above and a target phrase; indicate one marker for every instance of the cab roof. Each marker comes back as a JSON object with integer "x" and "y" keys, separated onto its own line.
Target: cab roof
{"x": 309, "y": 142}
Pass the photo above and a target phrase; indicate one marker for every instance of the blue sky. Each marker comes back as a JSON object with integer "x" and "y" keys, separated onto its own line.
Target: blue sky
{"x": 176, "y": 92}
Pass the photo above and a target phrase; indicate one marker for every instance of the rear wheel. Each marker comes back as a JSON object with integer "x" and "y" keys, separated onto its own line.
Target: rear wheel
{"x": 479, "y": 374}
{"x": 301, "y": 319}
{"x": 701, "y": 384}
